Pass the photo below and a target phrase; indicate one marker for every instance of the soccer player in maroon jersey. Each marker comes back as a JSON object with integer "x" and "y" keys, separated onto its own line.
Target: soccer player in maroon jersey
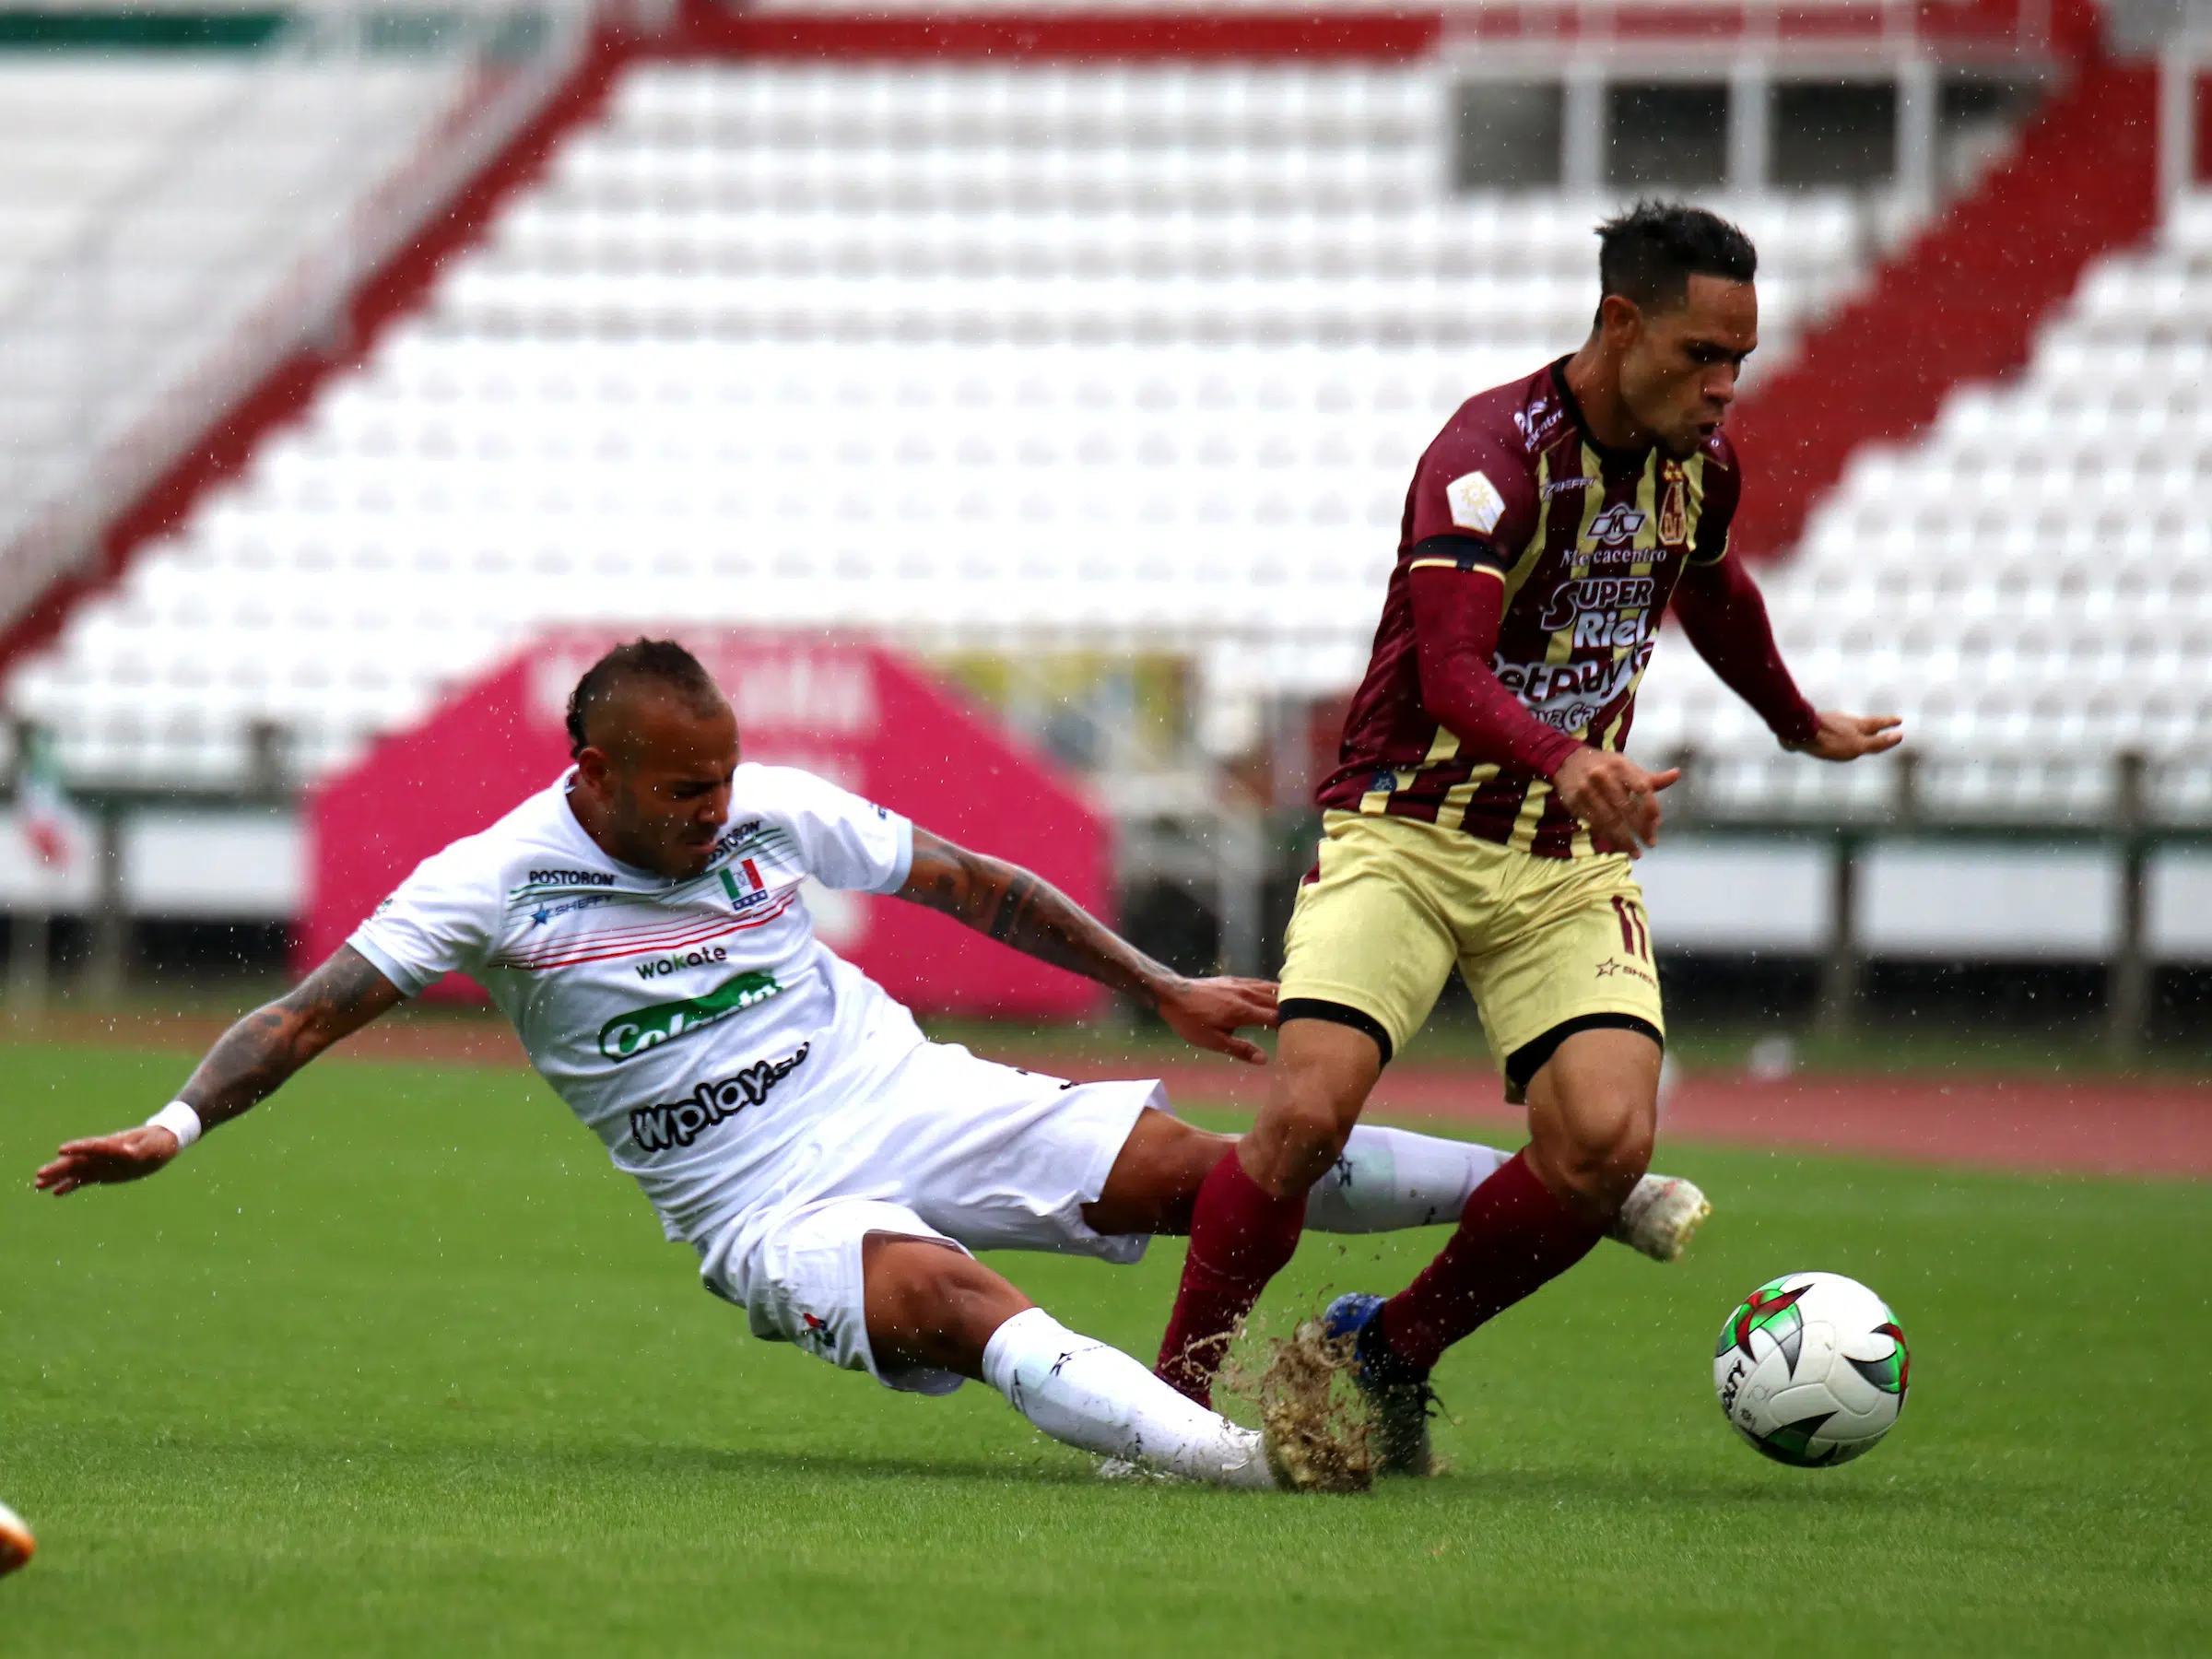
{"x": 1483, "y": 816}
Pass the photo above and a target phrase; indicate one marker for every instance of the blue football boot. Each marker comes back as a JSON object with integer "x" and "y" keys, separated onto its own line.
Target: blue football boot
{"x": 1399, "y": 1400}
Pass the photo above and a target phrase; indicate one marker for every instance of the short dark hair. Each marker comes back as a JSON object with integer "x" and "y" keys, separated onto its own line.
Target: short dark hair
{"x": 1649, "y": 253}
{"x": 663, "y": 662}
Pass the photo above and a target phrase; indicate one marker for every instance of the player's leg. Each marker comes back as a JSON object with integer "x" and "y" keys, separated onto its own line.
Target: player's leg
{"x": 1383, "y": 1180}
{"x": 1592, "y": 1116}
{"x": 1251, "y": 1208}
{"x": 1366, "y": 953}
{"x": 1592, "y": 1107}
{"x": 867, "y": 1285}
{"x": 1570, "y": 998}
{"x": 931, "y": 1307}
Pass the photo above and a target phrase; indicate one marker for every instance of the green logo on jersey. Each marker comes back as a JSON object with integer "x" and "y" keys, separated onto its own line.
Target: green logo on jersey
{"x": 629, "y": 1035}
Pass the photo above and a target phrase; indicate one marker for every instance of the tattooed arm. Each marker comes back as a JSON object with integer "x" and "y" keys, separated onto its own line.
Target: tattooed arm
{"x": 1028, "y": 912}
{"x": 248, "y": 1063}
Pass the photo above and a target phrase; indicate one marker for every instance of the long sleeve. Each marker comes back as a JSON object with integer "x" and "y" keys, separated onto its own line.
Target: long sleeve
{"x": 1456, "y": 611}
{"x": 1721, "y": 612}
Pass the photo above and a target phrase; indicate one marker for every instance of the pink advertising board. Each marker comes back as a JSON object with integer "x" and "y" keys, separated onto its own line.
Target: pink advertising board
{"x": 852, "y": 711}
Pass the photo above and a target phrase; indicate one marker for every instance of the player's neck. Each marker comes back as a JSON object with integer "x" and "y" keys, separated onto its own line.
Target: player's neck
{"x": 590, "y": 813}
{"x": 1594, "y": 379}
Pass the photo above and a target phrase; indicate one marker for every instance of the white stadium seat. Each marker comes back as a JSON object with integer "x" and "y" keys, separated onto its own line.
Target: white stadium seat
{"x": 1133, "y": 356}
{"x": 2033, "y": 576}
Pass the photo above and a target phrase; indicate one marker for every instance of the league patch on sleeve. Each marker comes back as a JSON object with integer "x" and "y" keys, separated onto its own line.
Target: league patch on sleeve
{"x": 1476, "y": 503}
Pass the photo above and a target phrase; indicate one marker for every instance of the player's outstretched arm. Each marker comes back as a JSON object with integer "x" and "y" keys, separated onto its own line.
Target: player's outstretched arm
{"x": 249, "y": 1063}
{"x": 1847, "y": 736}
{"x": 1025, "y": 910}
{"x": 1721, "y": 610}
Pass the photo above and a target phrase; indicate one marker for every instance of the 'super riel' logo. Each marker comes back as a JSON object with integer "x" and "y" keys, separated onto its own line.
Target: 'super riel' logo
{"x": 626, "y": 1036}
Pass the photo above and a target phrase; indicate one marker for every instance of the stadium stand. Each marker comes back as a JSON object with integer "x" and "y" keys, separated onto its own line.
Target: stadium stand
{"x": 174, "y": 221}
{"x": 2030, "y": 585}
{"x": 1114, "y": 355}
{"x": 1963, "y": 302}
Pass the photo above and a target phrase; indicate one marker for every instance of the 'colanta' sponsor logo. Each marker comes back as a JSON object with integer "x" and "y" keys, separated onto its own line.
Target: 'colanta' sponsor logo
{"x": 627, "y": 1035}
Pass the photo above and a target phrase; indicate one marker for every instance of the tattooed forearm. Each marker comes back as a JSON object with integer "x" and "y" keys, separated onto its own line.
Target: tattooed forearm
{"x": 251, "y": 1061}
{"x": 1023, "y": 910}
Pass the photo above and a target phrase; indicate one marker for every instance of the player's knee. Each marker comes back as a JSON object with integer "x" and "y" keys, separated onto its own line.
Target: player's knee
{"x": 930, "y": 1304}
{"x": 967, "y": 1302}
{"x": 1293, "y": 1145}
{"x": 1593, "y": 1158}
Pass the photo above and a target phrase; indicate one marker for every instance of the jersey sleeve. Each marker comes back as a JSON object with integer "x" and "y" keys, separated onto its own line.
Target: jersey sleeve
{"x": 1723, "y": 488}
{"x": 844, "y": 841}
{"x": 442, "y": 919}
{"x": 1474, "y": 500}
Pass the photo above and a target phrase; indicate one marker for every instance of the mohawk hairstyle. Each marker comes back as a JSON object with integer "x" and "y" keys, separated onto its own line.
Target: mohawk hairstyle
{"x": 1649, "y": 253}
{"x": 663, "y": 662}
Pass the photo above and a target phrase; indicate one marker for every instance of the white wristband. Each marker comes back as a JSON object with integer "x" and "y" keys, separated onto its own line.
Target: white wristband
{"x": 179, "y": 1120}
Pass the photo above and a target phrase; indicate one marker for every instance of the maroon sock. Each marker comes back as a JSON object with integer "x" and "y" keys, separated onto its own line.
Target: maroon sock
{"x": 1240, "y": 1236}
{"x": 1512, "y": 1237}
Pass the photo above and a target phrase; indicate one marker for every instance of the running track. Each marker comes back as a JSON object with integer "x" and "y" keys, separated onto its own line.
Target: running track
{"x": 2117, "y": 1127}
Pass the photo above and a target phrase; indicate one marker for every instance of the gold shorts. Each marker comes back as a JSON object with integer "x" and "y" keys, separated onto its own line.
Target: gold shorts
{"x": 1540, "y": 941}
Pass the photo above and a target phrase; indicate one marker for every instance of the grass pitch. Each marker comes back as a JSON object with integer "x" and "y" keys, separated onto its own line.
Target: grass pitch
{"x": 400, "y": 1366}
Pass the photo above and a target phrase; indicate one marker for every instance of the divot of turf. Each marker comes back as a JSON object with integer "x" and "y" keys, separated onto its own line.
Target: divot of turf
{"x": 1316, "y": 1420}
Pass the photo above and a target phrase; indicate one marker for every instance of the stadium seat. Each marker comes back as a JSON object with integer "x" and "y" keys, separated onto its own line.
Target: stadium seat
{"x": 2039, "y": 566}
{"x": 1127, "y": 354}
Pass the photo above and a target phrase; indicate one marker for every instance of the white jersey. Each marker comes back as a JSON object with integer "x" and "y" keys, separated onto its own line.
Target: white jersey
{"x": 697, "y": 1025}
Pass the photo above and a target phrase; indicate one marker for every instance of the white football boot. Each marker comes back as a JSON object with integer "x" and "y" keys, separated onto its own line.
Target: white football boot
{"x": 1661, "y": 1216}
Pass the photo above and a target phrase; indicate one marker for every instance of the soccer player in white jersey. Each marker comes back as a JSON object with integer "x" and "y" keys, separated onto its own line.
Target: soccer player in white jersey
{"x": 639, "y": 923}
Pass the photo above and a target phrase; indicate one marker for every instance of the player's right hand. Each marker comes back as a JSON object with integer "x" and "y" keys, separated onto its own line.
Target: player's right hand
{"x": 1208, "y": 1013}
{"x": 1614, "y": 796}
{"x": 129, "y": 1155}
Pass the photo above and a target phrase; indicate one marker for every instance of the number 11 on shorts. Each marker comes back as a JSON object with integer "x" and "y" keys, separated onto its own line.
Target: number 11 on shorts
{"x": 1635, "y": 936}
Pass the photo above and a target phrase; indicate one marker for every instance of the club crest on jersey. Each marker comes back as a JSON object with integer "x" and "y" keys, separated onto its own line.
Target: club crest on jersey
{"x": 1674, "y": 512}
{"x": 1616, "y": 526}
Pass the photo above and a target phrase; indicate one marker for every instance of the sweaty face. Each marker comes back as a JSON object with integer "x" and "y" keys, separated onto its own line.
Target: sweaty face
{"x": 1678, "y": 371}
{"x": 659, "y": 769}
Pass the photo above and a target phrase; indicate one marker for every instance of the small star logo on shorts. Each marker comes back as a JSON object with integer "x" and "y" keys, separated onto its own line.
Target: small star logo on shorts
{"x": 1613, "y": 965}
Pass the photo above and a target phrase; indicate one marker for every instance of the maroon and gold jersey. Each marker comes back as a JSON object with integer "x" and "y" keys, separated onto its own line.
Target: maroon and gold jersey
{"x": 1588, "y": 543}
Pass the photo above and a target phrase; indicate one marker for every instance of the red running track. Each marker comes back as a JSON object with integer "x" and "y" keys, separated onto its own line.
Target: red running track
{"x": 2111, "y": 1128}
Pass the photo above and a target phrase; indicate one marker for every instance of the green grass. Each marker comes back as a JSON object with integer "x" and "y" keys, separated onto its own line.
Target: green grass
{"x": 400, "y": 1366}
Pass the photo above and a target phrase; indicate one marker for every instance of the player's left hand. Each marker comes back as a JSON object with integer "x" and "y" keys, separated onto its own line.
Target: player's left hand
{"x": 1208, "y": 1013}
{"x": 1848, "y": 737}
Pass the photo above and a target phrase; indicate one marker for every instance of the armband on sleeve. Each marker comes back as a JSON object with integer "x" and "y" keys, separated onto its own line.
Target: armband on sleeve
{"x": 1458, "y": 553}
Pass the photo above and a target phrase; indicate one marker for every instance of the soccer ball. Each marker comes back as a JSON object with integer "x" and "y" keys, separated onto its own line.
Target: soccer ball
{"x": 1811, "y": 1369}
{"x": 16, "y": 1544}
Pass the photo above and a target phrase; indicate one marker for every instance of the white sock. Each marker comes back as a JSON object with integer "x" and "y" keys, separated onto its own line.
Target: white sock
{"x": 1390, "y": 1178}
{"x": 1099, "y": 1399}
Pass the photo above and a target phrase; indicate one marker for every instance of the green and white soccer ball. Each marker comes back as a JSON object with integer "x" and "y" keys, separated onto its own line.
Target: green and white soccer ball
{"x": 1811, "y": 1369}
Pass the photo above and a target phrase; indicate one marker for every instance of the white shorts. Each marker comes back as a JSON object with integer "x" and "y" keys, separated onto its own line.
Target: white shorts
{"x": 982, "y": 1156}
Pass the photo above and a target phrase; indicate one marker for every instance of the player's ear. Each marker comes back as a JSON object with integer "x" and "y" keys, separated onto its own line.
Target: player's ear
{"x": 593, "y": 768}
{"x": 1620, "y": 321}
